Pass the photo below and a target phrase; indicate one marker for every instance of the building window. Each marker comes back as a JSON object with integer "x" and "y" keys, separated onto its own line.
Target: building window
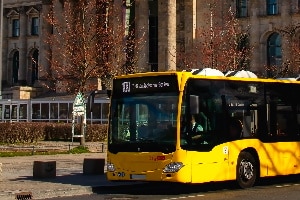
{"x": 274, "y": 53}
{"x": 15, "y": 68}
{"x": 15, "y": 27}
{"x": 53, "y": 110}
{"x": 241, "y": 8}
{"x": 34, "y": 26}
{"x": 34, "y": 66}
{"x": 272, "y": 7}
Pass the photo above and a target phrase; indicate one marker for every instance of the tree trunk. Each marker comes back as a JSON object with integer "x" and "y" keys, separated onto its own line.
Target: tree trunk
{"x": 82, "y": 131}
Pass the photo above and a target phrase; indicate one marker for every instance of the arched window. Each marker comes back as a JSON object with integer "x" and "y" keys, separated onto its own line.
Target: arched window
{"x": 34, "y": 66}
{"x": 15, "y": 68}
{"x": 274, "y": 51}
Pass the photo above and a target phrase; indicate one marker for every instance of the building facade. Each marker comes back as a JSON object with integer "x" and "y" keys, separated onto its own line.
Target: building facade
{"x": 273, "y": 24}
{"x": 22, "y": 48}
{"x": 166, "y": 26}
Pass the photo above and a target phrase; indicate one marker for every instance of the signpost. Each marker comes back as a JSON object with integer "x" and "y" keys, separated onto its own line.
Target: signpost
{"x": 79, "y": 110}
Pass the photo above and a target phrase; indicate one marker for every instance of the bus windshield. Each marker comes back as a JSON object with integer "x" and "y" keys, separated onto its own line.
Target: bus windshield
{"x": 143, "y": 123}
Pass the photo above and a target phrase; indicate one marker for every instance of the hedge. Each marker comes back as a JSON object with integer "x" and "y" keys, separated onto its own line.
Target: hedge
{"x": 30, "y": 132}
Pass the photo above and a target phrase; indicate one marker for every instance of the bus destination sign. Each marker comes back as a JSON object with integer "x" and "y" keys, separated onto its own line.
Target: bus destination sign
{"x": 146, "y": 84}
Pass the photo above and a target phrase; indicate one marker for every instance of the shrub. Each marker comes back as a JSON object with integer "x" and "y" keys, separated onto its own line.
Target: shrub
{"x": 29, "y": 132}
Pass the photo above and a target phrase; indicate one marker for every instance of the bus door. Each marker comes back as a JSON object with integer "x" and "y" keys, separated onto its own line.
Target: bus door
{"x": 209, "y": 156}
{"x": 281, "y": 139}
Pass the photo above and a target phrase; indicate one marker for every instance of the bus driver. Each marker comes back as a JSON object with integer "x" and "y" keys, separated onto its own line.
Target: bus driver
{"x": 196, "y": 129}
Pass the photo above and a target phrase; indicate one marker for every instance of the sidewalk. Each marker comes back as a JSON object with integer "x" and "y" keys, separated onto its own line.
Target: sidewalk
{"x": 17, "y": 176}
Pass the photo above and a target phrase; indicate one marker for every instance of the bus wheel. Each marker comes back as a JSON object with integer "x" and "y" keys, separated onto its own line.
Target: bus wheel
{"x": 246, "y": 172}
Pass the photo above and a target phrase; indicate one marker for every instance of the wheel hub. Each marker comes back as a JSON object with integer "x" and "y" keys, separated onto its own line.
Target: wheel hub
{"x": 246, "y": 170}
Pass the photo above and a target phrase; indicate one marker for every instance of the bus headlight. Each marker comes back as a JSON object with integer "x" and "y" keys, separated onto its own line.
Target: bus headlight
{"x": 173, "y": 167}
{"x": 110, "y": 167}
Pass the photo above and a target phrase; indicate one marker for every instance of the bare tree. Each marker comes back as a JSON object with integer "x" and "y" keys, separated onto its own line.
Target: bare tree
{"x": 291, "y": 63}
{"x": 219, "y": 45}
{"x": 74, "y": 43}
{"x": 89, "y": 42}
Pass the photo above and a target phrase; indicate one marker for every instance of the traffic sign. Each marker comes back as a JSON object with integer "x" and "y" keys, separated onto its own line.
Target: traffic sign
{"x": 79, "y": 105}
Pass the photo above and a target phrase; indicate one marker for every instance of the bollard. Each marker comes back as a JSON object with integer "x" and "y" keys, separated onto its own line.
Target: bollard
{"x": 44, "y": 169}
{"x": 93, "y": 166}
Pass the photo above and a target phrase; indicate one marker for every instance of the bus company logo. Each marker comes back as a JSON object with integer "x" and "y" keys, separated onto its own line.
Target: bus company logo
{"x": 157, "y": 158}
{"x": 161, "y": 157}
{"x": 126, "y": 87}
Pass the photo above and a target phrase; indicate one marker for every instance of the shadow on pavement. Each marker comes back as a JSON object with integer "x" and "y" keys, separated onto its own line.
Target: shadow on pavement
{"x": 158, "y": 188}
{"x": 100, "y": 185}
{"x": 166, "y": 188}
{"x": 72, "y": 178}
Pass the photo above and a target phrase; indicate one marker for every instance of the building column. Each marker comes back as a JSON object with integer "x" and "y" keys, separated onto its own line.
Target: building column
{"x": 255, "y": 41}
{"x": 286, "y": 20}
{"x": 23, "y": 48}
{"x": 44, "y": 50}
{"x": 142, "y": 35}
{"x": 167, "y": 35}
{"x": 189, "y": 29}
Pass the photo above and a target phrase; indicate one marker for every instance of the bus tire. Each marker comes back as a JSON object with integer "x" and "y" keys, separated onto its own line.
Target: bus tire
{"x": 246, "y": 170}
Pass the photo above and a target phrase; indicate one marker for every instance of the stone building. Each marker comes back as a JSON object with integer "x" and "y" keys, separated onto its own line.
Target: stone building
{"x": 268, "y": 20}
{"x": 22, "y": 50}
{"x": 165, "y": 25}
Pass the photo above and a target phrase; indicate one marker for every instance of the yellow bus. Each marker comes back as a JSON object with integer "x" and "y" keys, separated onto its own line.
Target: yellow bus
{"x": 249, "y": 128}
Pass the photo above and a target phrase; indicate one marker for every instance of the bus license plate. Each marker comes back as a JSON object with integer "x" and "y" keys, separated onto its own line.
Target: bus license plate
{"x": 138, "y": 176}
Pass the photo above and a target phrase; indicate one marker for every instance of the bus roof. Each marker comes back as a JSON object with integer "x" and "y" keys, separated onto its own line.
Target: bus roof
{"x": 251, "y": 78}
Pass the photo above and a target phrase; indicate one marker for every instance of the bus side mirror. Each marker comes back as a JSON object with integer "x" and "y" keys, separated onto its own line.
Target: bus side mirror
{"x": 194, "y": 104}
{"x": 108, "y": 92}
{"x": 91, "y": 97}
